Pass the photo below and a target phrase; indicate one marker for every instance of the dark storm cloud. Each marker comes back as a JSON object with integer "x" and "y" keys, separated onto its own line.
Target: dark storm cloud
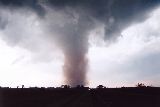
{"x": 70, "y": 21}
{"x": 115, "y": 14}
{"x": 32, "y": 4}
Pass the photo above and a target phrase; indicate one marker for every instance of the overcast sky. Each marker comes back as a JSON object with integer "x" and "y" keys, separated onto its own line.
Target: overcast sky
{"x": 120, "y": 41}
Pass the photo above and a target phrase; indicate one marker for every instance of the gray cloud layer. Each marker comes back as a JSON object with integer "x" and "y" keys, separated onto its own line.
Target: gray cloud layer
{"x": 116, "y": 14}
{"x": 68, "y": 22}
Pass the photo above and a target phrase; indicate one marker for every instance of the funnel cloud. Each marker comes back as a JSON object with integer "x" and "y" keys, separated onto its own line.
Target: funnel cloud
{"x": 67, "y": 23}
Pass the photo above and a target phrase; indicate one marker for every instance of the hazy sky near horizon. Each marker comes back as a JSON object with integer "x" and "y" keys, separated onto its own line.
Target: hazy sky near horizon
{"x": 31, "y": 56}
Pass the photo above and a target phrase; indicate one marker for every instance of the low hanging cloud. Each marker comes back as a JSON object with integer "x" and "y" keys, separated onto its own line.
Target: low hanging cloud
{"x": 37, "y": 24}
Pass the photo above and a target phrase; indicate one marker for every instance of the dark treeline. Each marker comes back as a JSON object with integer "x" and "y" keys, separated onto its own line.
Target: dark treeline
{"x": 80, "y": 96}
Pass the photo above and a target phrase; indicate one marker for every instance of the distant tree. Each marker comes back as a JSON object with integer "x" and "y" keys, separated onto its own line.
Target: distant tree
{"x": 101, "y": 86}
{"x": 65, "y": 86}
{"x": 150, "y": 86}
{"x": 140, "y": 85}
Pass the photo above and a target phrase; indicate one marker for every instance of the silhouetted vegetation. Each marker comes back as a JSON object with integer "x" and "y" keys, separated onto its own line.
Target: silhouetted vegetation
{"x": 141, "y": 85}
{"x": 101, "y": 86}
{"x": 80, "y": 96}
